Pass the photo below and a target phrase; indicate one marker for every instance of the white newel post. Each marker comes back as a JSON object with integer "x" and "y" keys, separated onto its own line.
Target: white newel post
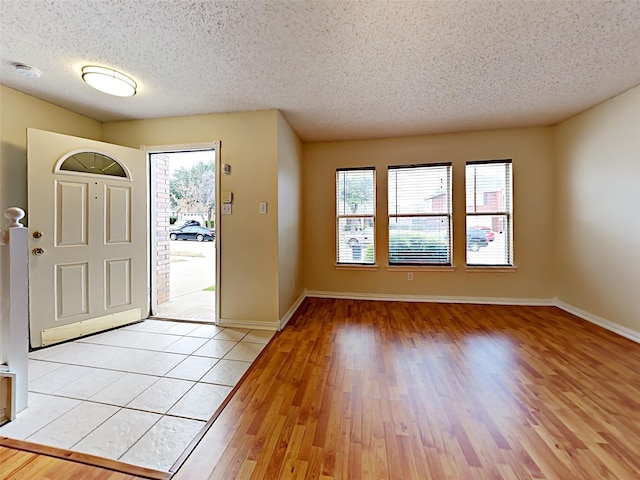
{"x": 15, "y": 329}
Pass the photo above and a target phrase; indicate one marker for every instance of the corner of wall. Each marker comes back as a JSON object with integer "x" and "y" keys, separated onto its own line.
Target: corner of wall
{"x": 602, "y": 322}
{"x": 596, "y": 170}
{"x": 290, "y": 216}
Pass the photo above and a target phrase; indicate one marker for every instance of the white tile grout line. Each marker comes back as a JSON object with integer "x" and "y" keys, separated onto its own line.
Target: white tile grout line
{"x": 120, "y": 407}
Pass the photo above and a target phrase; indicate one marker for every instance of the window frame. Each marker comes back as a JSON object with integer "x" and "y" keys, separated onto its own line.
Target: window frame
{"x": 448, "y": 214}
{"x": 340, "y": 216}
{"x": 507, "y": 213}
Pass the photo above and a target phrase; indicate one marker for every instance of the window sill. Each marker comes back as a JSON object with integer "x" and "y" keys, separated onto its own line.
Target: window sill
{"x": 421, "y": 268}
{"x": 355, "y": 266}
{"x": 491, "y": 269}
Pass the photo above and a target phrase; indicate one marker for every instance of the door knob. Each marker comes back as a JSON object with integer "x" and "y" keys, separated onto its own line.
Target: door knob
{"x": 37, "y": 234}
{"x": 37, "y": 251}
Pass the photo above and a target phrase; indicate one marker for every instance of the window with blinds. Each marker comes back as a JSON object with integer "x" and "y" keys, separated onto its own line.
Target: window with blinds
{"x": 489, "y": 187}
{"x": 420, "y": 222}
{"x": 355, "y": 216}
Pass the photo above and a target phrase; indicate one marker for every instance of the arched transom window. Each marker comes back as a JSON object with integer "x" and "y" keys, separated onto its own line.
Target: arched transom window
{"x": 94, "y": 163}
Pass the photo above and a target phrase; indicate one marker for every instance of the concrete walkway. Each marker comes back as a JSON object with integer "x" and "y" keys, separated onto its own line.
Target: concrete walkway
{"x": 193, "y": 269}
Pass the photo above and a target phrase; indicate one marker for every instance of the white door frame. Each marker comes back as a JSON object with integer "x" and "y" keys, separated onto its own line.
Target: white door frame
{"x": 153, "y": 244}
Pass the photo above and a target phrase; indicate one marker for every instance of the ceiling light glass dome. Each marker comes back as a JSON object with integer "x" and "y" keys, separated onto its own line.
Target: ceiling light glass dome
{"x": 109, "y": 81}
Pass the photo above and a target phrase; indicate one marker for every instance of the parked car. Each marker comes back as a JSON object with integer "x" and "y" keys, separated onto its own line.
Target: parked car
{"x": 360, "y": 237}
{"x": 193, "y": 232}
{"x": 185, "y": 223}
{"x": 476, "y": 238}
{"x": 490, "y": 234}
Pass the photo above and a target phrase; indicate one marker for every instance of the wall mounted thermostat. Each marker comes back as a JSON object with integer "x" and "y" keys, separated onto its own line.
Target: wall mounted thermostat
{"x": 227, "y": 197}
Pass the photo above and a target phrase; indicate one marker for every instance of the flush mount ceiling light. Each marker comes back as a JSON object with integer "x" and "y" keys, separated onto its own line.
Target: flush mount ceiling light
{"x": 109, "y": 81}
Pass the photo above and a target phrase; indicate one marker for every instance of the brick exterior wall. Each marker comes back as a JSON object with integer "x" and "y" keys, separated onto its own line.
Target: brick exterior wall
{"x": 163, "y": 210}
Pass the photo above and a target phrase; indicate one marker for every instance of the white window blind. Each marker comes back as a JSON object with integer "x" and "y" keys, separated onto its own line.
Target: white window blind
{"x": 489, "y": 187}
{"x": 355, "y": 216}
{"x": 420, "y": 214}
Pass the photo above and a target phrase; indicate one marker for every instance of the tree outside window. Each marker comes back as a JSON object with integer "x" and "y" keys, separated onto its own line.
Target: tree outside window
{"x": 355, "y": 216}
{"x": 192, "y": 191}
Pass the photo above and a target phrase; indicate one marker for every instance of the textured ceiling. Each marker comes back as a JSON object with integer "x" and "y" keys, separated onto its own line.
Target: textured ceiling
{"x": 336, "y": 69}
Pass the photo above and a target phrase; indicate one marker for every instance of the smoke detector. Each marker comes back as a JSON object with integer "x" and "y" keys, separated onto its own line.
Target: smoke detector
{"x": 26, "y": 70}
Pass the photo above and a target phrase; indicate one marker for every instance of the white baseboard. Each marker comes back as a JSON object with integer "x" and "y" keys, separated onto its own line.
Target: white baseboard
{"x": 548, "y": 302}
{"x": 251, "y": 324}
{"x": 432, "y": 298}
{"x": 602, "y": 322}
{"x": 256, "y": 325}
{"x": 287, "y": 316}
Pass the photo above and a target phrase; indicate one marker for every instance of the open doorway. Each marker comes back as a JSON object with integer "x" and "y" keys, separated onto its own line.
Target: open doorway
{"x": 185, "y": 248}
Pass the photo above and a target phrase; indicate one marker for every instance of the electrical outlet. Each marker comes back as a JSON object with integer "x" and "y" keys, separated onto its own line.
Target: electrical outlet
{"x": 410, "y": 276}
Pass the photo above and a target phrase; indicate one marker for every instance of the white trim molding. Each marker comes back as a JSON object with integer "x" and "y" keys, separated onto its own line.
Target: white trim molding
{"x": 542, "y": 302}
{"x": 250, "y": 324}
{"x": 602, "y": 322}
{"x": 546, "y": 302}
{"x": 287, "y": 316}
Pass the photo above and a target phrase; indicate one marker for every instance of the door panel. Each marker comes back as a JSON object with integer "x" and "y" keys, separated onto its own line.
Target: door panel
{"x": 71, "y": 287}
{"x": 71, "y": 213}
{"x": 118, "y": 288}
{"x": 118, "y": 217}
{"x": 91, "y": 269}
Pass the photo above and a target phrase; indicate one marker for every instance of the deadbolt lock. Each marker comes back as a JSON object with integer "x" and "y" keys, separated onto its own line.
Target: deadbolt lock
{"x": 37, "y": 251}
{"x": 37, "y": 234}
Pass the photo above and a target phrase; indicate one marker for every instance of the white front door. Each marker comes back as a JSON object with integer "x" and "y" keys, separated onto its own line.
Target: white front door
{"x": 87, "y": 217}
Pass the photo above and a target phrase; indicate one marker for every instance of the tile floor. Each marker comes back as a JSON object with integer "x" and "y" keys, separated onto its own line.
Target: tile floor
{"x": 138, "y": 394}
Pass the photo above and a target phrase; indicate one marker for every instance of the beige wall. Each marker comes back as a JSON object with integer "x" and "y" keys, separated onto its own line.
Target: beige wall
{"x": 251, "y": 144}
{"x": 289, "y": 216}
{"x": 568, "y": 201}
{"x": 532, "y": 153}
{"x": 17, "y": 113}
{"x": 249, "y": 266}
{"x": 598, "y": 210}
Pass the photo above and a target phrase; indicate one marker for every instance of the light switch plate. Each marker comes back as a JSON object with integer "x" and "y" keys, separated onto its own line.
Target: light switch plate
{"x": 263, "y": 208}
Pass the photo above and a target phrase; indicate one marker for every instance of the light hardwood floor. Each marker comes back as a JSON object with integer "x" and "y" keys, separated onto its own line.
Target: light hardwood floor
{"x": 21, "y": 465}
{"x": 359, "y": 389}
